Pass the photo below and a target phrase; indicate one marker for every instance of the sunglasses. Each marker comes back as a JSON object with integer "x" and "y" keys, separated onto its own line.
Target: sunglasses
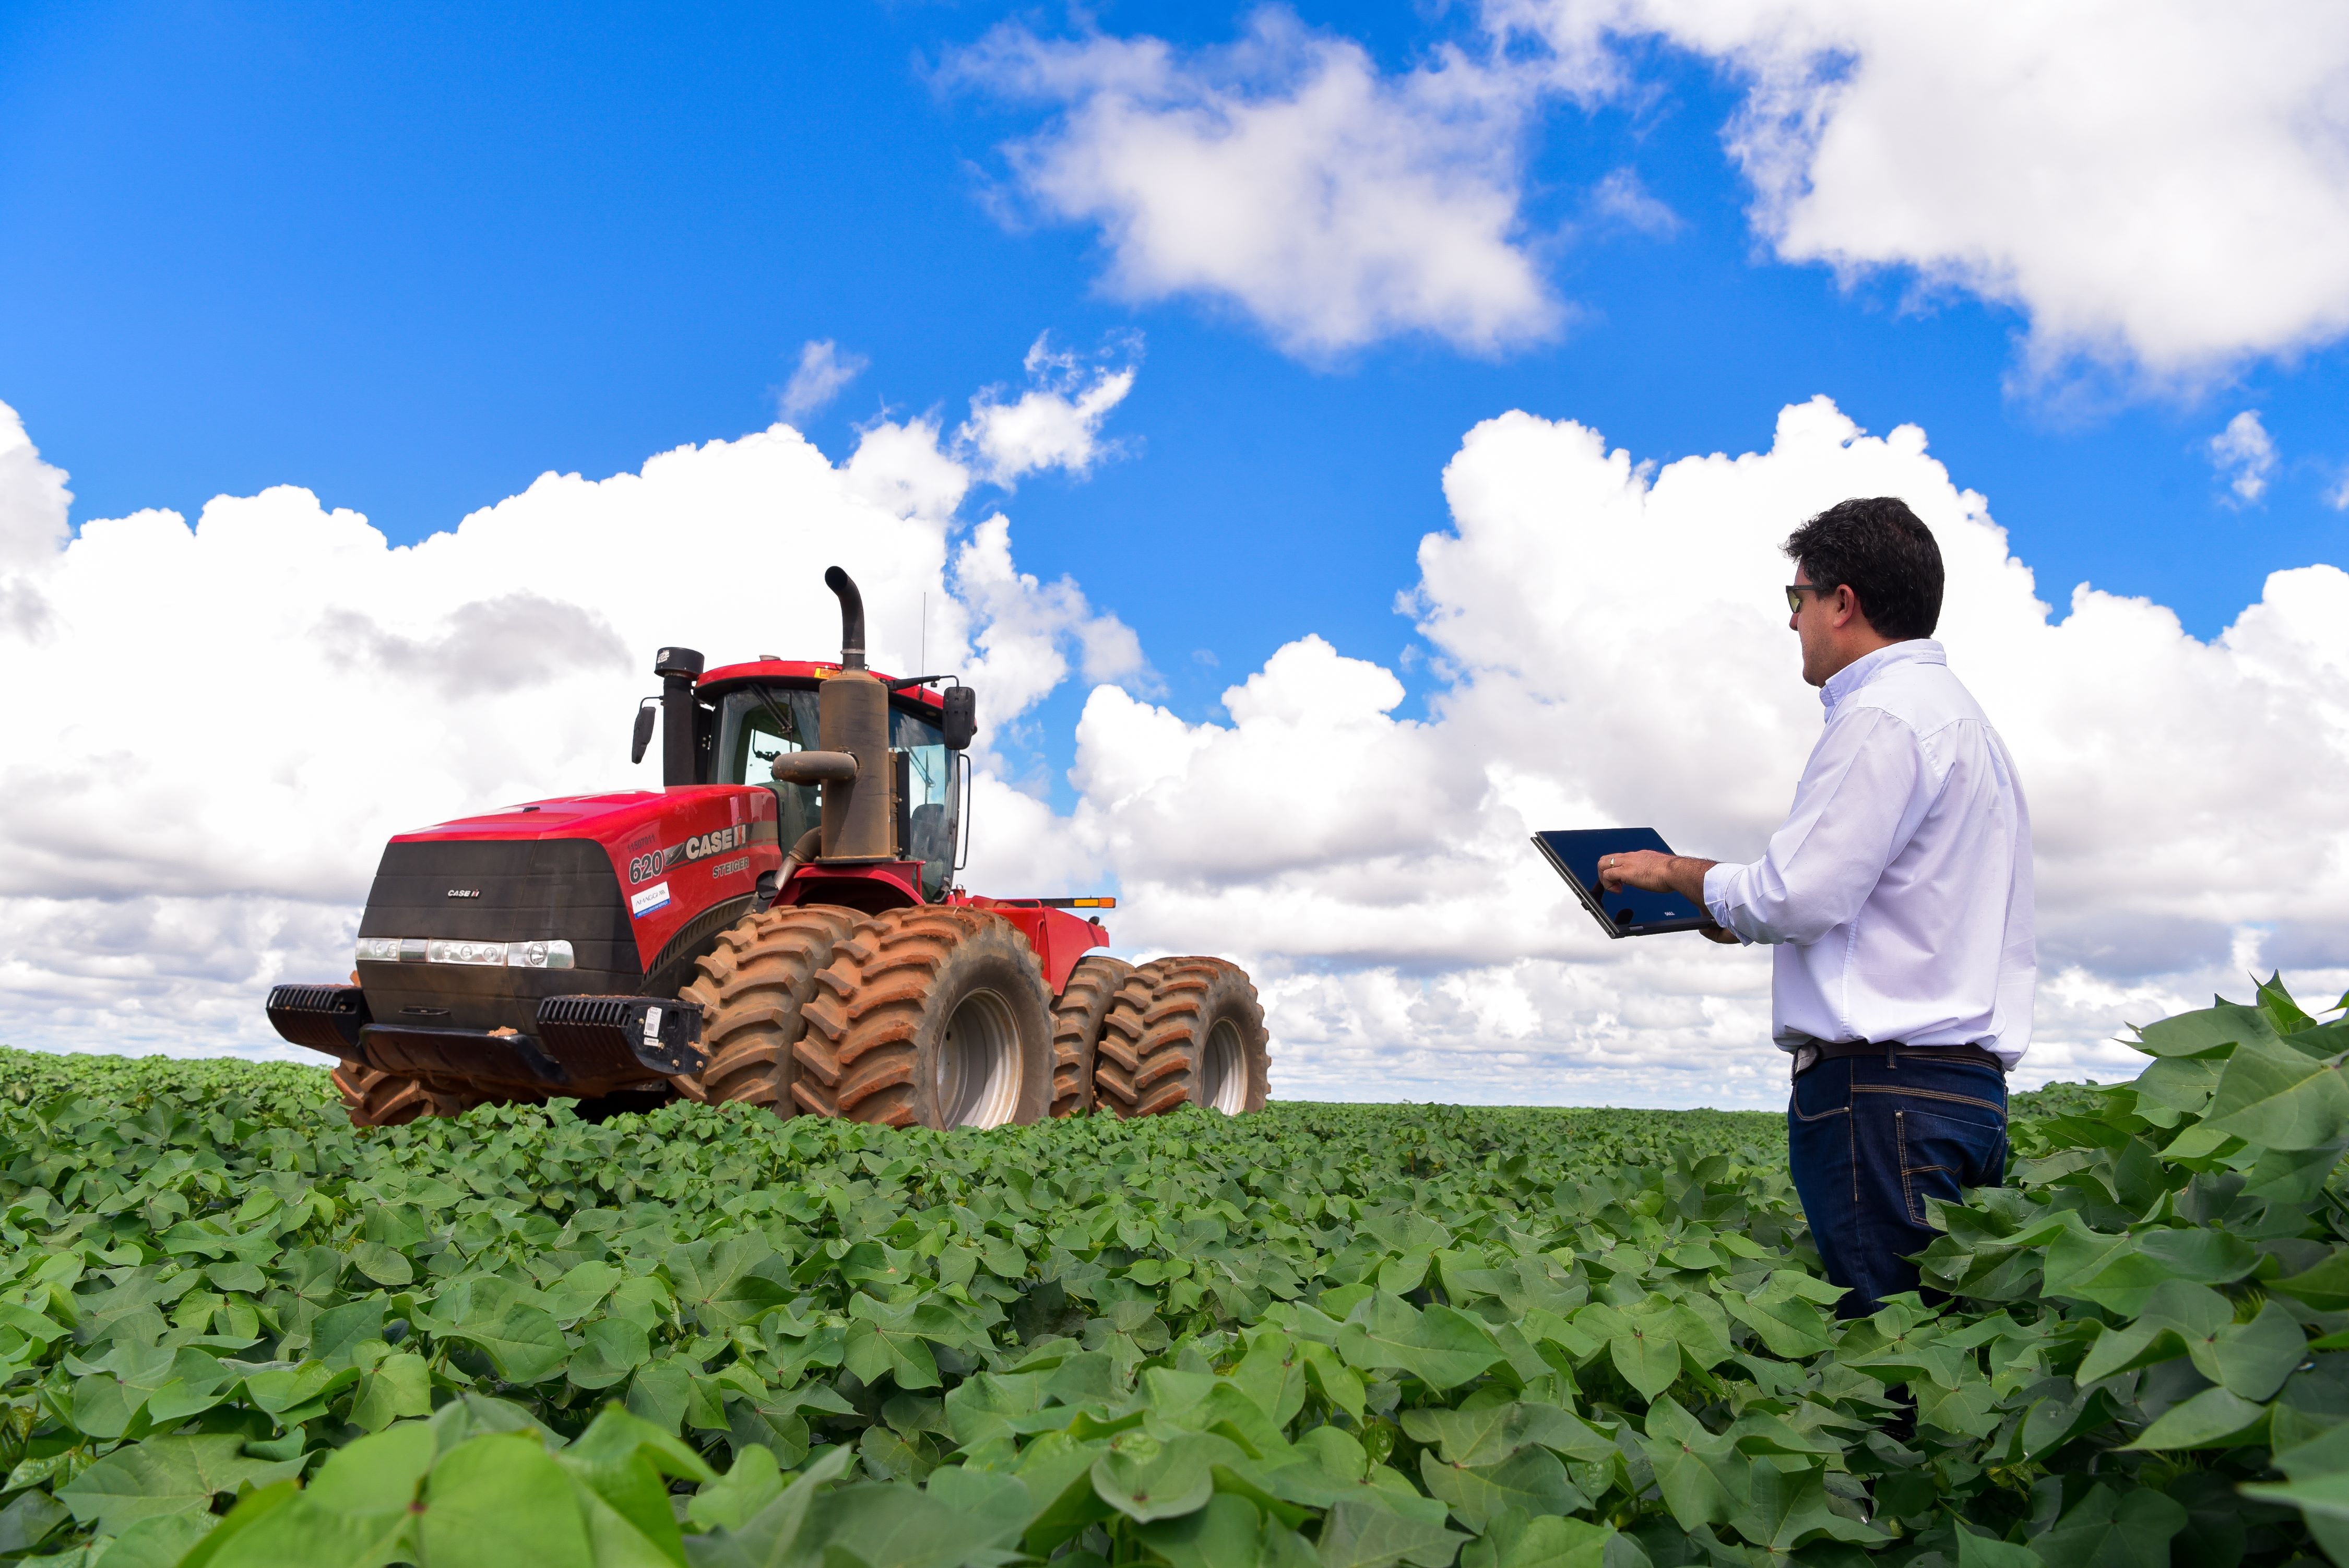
{"x": 1794, "y": 592}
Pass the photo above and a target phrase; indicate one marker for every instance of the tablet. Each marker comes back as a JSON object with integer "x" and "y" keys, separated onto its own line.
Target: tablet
{"x": 1628, "y": 912}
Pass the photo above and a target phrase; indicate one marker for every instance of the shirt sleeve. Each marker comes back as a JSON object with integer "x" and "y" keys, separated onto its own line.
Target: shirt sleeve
{"x": 1851, "y": 814}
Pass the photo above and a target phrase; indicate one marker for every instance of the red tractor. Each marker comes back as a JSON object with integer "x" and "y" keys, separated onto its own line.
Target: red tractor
{"x": 779, "y": 925}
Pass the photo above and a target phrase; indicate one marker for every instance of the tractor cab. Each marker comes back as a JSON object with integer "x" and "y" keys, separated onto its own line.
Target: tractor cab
{"x": 748, "y": 716}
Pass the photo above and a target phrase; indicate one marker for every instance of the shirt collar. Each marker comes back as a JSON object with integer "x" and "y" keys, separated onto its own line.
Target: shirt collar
{"x": 1863, "y": 670}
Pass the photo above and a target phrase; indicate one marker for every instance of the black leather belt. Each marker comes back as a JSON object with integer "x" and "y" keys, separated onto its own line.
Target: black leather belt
{"x": 1810, "y": 1056}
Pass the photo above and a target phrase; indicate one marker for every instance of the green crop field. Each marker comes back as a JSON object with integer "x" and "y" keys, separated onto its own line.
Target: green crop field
{"x": 236, "y": 1332}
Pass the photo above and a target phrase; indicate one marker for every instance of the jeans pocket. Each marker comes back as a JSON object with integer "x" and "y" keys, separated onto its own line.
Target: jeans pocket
{"x": 1822, "y": 1092}
{"x": 1940, "y": 1153}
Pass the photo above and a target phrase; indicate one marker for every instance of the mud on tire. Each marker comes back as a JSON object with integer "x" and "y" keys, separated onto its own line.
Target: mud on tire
{"x": 372, "y": 1098}
{"x": 930, "y": 1017}
{"x": 1182, "y": 1031}
{"x": 751, "y": 988}
{"x": 1077, "y": 1021}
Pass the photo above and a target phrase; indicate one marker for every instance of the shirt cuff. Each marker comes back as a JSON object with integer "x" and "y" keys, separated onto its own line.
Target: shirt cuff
{"x": 1717, "y": 885}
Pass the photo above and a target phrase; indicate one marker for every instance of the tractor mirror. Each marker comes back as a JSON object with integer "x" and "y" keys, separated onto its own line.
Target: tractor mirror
{"x": 645, "y": 715}
{"x": 961, "y": 717}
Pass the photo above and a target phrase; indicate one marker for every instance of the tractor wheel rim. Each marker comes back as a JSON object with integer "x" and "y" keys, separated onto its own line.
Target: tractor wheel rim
{"x": 1222, "y": 1075}
{"x": 979, "y": 1064}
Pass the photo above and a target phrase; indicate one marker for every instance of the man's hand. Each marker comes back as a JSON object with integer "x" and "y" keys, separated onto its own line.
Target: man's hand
{"x": 1656, "y": 872}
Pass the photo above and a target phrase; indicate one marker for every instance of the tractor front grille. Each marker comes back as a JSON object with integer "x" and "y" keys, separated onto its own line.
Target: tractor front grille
{"x": 502, "y": 890}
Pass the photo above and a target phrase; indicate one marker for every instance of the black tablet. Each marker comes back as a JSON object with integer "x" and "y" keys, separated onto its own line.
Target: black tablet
{"x": 1630, "y": 911}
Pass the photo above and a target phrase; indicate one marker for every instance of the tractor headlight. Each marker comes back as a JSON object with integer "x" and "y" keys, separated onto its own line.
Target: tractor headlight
{"x": 547, "y": 954}
{"x": 446, "y": 952}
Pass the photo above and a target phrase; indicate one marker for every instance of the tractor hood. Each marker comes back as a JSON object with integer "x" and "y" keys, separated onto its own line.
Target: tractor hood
{"x": 630, "y": 879}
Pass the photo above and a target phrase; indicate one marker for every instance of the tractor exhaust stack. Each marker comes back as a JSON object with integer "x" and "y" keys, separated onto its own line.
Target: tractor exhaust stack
{"x": 851, "y": 617}
{"x": 852, "y": 718}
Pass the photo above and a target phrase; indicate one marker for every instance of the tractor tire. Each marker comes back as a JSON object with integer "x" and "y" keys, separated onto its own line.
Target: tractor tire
{"x": 1182, "y": 1031}
{"x": 932, "y": 1017}
{"x": 1077, "y": 1020}
{"x": 372, "y": 1098}
{"x": 751, "y": 988}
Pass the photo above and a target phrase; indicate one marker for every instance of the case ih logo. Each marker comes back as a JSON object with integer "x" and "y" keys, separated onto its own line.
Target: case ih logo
{"x": 464, "y": 893}
{"x": 699, "y": 847}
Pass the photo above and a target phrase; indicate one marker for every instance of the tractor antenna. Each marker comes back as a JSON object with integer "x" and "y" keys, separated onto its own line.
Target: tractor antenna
{"x": 851, "y": 617}
{"x": 924, "y": 662}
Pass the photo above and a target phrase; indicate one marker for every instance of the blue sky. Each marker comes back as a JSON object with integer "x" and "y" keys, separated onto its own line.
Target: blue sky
{"x": 412, "y": 258}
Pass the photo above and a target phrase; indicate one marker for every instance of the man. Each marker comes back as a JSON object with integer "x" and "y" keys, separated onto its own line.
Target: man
{"x": 1897, "y": 895}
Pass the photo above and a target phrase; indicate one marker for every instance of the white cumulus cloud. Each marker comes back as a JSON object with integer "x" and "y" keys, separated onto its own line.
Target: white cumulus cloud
{"x": 1054, "y": 423}
{"x": 2245, "y": 455}
{"x": 2159, "y": 187}
{"x": 2162, "y": 185}
{"x": 1288, "y": 176}
{"x": 819, "y": 376}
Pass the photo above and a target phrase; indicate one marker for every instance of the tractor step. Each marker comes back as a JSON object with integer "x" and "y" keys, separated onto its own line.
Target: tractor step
{"x": 613, "y": 1032}
{"x": 328, "y": 1018}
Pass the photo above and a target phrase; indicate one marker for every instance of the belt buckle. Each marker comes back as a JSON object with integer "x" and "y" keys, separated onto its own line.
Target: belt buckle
{"x": 1806, "y": 1058}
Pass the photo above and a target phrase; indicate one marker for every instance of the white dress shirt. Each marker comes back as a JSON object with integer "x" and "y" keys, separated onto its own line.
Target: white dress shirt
{"x": 1898, "y": 888}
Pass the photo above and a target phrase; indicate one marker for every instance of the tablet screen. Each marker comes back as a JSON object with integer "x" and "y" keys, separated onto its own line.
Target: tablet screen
{"x": 1630, "y": 912}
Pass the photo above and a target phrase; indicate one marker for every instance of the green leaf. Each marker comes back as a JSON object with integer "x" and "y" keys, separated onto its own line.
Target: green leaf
{"x": 2123, "y": 1272}
{"x": 897, "y": 1526}
{"x": 893, "y": 1341}
{"x": 1533, "y": 1480}
{"x": 166, "y": 1475}
{"x": 1228, "y": 1532}
{"x": 2212, "y": 1419}
{"x": 659, "y": 1391}
{"x": 2107, "y": 1529}
{"x": 2253, "y": 1359}
{"x": 395, "y": 1387}
{"x": 356, "y": 1514}
{"x": 522, "y": 1342}
{"x": 2275, "y": 1097}
{"x": 1647, "y": 1354}
{"x": 1145, "y": 1479}
{"x": 2324, "y": 1287}
{"x": 2281, "y": 1010}
{"x": 1551, "y": 1542}
{"x": 1359, "y": 1534}
{"x": 1787, "y": 1322}
{"x": 251, "y": 1508}
{"x": 2213, "y": 1030}
{"x": 497, "y": 1501}
{"x": 725, "y": 1503}
{"x": 27, "y": 1522}
{"x": 161, "y": 1542}
{"x": 772, "y": 1538}
{"x": 610, "y": 1348}
{"x": 1699, "y": 1474}
{"x": 1441, "y": 1346}
{"x": 1984, "y": 1552}
{"x": 382, "y": 1264}
{"x": 1787, "y": 1509}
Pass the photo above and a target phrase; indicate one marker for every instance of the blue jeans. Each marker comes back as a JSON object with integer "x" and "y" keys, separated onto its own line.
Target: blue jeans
{"x": 1870, "y": 1142}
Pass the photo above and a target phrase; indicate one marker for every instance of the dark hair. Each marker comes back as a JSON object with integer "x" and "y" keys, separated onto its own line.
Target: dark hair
{"x": 1879, "y": 550}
